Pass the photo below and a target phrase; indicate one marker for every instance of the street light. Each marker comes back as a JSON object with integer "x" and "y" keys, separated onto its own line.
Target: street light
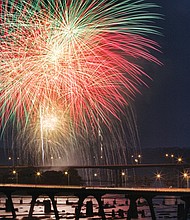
{"x": 52, "y": 160}
{"x": 179, "y": 160}
{"x": 124, "y": 176}
{"x": 170, "y": 157}
{"x": 38, "y": 173}
{"x": 136, "y": 161}
{"x": 186, "y": 176}
{"x": 10, "y": 160}
{"x": 68, "y": 180}
{"x": 158, "y": 176}
{"x": 140, "y": 157}
{"x": 15, "y": 174}
{"x": 137, "y": 158}
{"x": 37, "y": 176}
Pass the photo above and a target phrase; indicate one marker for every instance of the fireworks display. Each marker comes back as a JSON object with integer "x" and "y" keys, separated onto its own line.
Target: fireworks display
{"x": 76, "y": 57}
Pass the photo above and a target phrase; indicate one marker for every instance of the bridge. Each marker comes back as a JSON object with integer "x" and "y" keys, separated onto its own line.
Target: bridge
{"x": 116, "y": 166}
{"x": 97, "y": 192}
{"x": 117, "y": 169}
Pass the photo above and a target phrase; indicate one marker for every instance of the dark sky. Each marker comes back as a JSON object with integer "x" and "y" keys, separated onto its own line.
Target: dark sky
{"x": 163, "y": 110}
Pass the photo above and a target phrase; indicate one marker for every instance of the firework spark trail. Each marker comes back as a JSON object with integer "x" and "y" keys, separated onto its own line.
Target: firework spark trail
{"x": 48, "y": 134}
{"x": 75, "y": 53}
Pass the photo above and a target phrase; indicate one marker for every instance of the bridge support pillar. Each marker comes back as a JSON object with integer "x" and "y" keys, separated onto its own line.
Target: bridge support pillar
{"x": 150, "y": 203}
{"x": 82, "y": 197}
{"x": 187, "y": 207}
{"x": 80, "y": 203}
{"x": 100, "y": 204}
{"x": 10, "y": 202}
{"x": 34, "y": 197}
{"x": 52, "y": 197}
{"x": 132, "y": 211}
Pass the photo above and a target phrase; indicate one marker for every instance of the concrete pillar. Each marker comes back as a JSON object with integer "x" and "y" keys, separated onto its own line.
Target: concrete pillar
{"x": 80, "y": 203}
{"x": 132, "y": 211}
{"x": 34, "y": 197}
{"x": 47, "y": 206}
{"x": 89, "y": 209}
{"x": 187, "y": 207}
{"x": 100, "y": 204}
{"x": 9, "y": 205}
{"x": 150, "y": 203}
{"x": 54, "y": 203}
{"x": 180, "y": 211}
{"x": 113, "y": 213}
{"x": 121, "y": 213}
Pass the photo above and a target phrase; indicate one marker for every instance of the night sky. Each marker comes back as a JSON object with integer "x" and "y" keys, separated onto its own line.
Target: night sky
{"x": 163, "y": 110}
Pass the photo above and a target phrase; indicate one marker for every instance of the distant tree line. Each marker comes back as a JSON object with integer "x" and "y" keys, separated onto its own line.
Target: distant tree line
{"x": 31, "y": 176}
